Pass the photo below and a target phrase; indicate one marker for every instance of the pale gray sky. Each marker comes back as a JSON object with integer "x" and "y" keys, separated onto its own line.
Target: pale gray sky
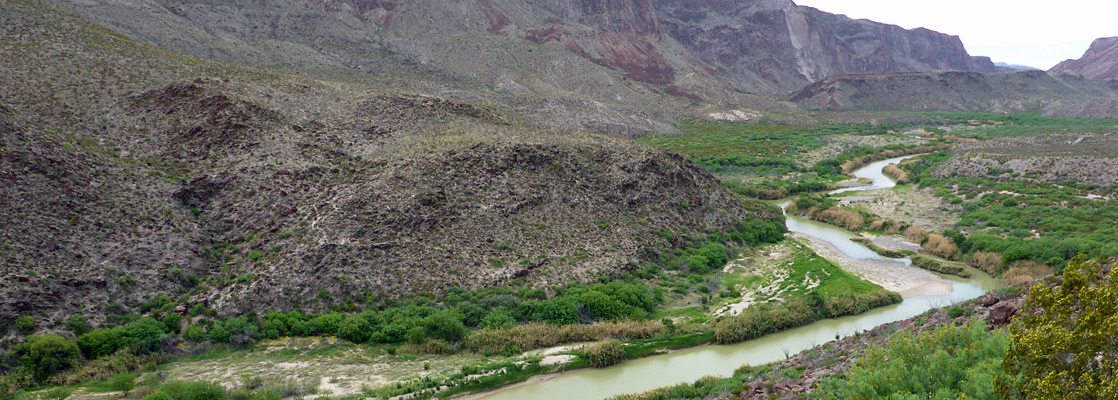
{"x": 1029, "y": 32}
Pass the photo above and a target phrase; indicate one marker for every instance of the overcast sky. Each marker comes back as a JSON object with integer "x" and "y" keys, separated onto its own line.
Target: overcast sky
{"x": 1027, "y": 32}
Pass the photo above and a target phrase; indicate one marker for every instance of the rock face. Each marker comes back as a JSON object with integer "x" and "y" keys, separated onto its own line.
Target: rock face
{"x": 1099, "y": 62}
{"x": 561, "y": 61}
{"x": 1063, "y": 95}
{"x": 779, "y": 43}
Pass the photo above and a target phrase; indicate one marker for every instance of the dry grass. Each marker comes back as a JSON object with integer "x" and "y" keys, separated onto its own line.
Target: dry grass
{"x": 915, "y": 233}
{"x": 940, "y": 246}
{"x": 844, "y": 218}
{"x": 895, "y": 172}
{"x": 989, "y": 262}
{"x": 1026, "y": 271}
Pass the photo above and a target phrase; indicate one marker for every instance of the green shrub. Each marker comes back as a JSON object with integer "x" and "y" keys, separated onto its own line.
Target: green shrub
{"x": 141, "y": 335}
{"x": 604, "y": 354}
{"x": 948, "y": 363}
{"x": 78, "y": 325}
{"x": 123, "y": 382}
{"x": 355, "y": 329}
{"x": 497, "y": 318}
{"x": 46, "y": 355}
{"x": 25, "y": 324}
{"x": 511, "y": 350}
{"x": 172, "y": 323}
{"x": 956, "y": 312}
{"x": 194, "y": 332}
{"x": 1063, "y": 341}
{"x": 446, "y": 325}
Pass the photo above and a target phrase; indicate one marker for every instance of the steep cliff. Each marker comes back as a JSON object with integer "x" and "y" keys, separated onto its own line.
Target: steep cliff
{"x": 1099, "y": 62}
{"x": 616, "y": 66}
{"x": 789, "y": 46}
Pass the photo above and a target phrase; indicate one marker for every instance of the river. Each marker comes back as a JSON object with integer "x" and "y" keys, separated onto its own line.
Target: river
{"x": 692, "y": 364}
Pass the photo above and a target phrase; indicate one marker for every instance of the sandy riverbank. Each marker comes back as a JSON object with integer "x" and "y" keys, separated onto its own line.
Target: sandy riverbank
{"x": 906, "y": 280}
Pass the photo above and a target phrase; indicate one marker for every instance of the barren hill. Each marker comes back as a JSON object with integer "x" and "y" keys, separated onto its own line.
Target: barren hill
{"x": 1063, "y": 95}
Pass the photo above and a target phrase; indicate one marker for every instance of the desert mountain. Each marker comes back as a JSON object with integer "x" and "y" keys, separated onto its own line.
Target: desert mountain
{"x": 622, "y": 67}
{"x": 1099, "y": 62}
{"x": 129, "y": 171}
{"x": 1054, "y": 94}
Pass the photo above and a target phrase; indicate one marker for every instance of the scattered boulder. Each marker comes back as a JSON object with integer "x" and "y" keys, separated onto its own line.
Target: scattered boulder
{"x": 1002, "y": 313}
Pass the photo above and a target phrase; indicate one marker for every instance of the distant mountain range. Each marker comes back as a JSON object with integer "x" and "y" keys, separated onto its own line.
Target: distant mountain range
{"x": 1012, "y": 67}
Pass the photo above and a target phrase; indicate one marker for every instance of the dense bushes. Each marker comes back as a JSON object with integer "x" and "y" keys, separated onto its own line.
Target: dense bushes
{"x": 1063, "y": 344}
{"x": 46, "y": 355}
{"x": 761, "y": 320}
{"x": 141, "y": 335}
{"x": 604, "y": 354}
{"x": 948, "y": 363}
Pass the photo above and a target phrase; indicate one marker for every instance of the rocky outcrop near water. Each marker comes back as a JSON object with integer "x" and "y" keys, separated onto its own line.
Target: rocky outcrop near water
{"x": 1099, "y": 62}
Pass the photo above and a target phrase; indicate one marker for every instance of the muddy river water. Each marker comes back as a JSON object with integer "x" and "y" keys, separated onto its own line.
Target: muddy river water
{"x": 691, "y": 364}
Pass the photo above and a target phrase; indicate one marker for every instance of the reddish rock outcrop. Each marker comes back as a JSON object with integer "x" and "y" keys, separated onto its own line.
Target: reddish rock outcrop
{"x": 1002, "y": 313}
{"x": 1099, "y": 62}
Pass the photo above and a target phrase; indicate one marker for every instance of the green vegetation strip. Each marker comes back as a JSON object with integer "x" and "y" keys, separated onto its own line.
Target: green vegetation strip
{"x": 878, "y": 249}
{"x": 932, "y": 264}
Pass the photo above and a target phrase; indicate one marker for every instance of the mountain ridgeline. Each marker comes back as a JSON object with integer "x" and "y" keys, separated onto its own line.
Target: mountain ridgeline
{"x": 621, "y": 67}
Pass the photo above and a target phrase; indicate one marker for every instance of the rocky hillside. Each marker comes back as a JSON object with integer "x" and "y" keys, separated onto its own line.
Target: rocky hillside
{"x": 621, "y": 67}
{"x": 1086, "y": 158}
{"x": 1063, "y": 95}
{"x": 1099, "y": 62}
{"x": 129, "y": 171}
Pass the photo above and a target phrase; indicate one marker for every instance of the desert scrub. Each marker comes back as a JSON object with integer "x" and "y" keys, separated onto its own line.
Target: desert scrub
{"x": 949, "y": 362}
{"x": 932, "y": 264}
{"x": 604, "y": 354}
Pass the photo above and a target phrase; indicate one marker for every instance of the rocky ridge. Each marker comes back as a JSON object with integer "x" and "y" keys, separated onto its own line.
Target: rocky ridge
{"x": 621, "y": 67}
{"x": 129, "y": 171}
{"x": 1099, "y": 62}
{"x": 1054, "y": 94}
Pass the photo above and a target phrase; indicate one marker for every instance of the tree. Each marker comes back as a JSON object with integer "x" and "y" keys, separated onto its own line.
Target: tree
{"x": 47, "y": 354}
{"x": 123, "y": 382}
{"x": 446, "y": 325}
{"x": 355, "y": 329}
{"x": 1063, "y": 342}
